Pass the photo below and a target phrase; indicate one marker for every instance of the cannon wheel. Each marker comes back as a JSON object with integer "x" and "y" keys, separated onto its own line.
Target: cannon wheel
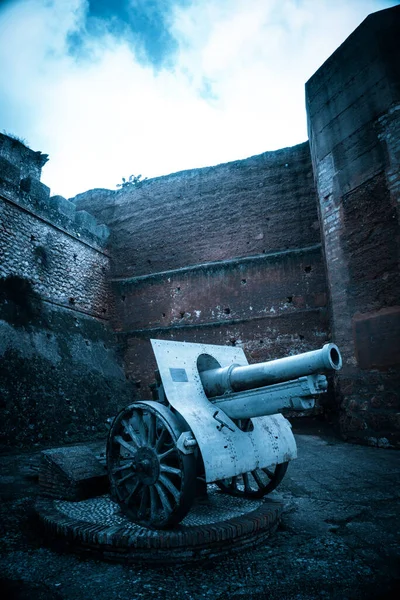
{"x": 151, "y": 480}
{"x": 254, "y": 484}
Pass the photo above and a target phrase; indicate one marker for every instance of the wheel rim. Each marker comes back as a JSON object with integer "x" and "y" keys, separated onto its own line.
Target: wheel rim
{"x": 256, "y": 483}
{"x": 152, "y": 481}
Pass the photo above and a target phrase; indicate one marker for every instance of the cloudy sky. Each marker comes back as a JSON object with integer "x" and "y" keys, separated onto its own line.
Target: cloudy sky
{"x": 110, "y": 88}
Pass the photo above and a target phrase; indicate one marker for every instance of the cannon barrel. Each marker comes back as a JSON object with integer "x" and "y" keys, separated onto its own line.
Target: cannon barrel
{"x": 234, "y": 378}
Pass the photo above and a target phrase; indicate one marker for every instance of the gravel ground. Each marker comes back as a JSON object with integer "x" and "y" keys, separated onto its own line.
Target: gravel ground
{"x": 339, "y": 538}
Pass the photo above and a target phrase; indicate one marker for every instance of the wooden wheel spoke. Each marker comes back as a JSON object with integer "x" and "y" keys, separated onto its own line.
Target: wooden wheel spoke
{"x": 258, "y": 480}
{"x": 152, "y": 430}
{"x": 136, "y": 487}
{"x": 233, "y": 483}
{"x": 247, "y": 486}
{"x": 123, "y": 468}
{"x": 143, "y": 501}
{"x": 161, "y": 440}
{"x": 132, "y": 433}
{"x": 268, "y": 473}
{"x": 164, "y": 498}
{"x": 165, "y": 454}
{"x": 125, "y": 444}
{"x": 125, "y": 478}
{"x": 142, "y": 427}
{"x": 168, "y": 469}
{"x": 169, "y": 486}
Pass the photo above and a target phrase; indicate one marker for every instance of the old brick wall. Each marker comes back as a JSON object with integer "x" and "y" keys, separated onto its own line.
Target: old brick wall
{"x": 353, "y": 106}
{"x": 244, "y": 208}
{"x": 60, "y": 377}
{"x": 227, "y": 255}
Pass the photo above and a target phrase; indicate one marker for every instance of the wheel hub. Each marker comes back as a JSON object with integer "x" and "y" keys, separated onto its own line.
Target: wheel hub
{"x": 146, "y": 465}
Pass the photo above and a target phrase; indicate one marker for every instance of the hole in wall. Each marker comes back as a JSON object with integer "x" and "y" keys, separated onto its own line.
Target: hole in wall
{"x": 227, "y": 310}
{"x": 19, "y": 303}
{"x": 243, "y": 282}
{"x": 261, "y": 341}
{"x": 178, "y": 289}
{"x": 164, "y": 315}
{"x": 75, "y": 257}
{"x": 33, "y": 238}
{"x": 289, "y": 299}
{"x": 104, "y": 310}
{"x": 71, "y": 301}
{"x": 87, "y": 342}
{"x": 307, "y": 269}
{"x": 232, "y": 342}
{"x": 123, "y": 298}
{"x": 182, "y": 314}
{"x": 301, "y": 337}
{"x": 41, "y": 256}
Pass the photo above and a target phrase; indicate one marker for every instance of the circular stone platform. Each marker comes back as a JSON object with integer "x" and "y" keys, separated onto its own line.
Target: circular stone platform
{"x": 215, "y": 526}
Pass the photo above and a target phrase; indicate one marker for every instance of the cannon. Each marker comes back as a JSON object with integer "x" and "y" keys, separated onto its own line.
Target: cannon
{"x": 213, "y": 419}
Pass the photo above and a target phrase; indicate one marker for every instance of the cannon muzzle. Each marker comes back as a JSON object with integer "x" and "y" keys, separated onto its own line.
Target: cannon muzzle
{"x": 234, "y": 378}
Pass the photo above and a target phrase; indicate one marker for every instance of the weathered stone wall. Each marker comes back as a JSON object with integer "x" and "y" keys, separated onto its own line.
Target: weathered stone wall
{"x": 271, "y": 305}
{"x": 353, "y": 104}
{"x": 263, "y": 204}
{"x": 228, "y": 255}
{"x": 64, "y": 269}
{"x": 60, "y": 377}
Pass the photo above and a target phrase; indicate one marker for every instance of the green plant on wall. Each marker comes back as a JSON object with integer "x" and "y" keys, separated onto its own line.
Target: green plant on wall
{"x": 132, "y": 181}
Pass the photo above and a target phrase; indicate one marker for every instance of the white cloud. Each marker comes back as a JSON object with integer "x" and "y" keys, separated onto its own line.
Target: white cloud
{"x": 237, "y": 87}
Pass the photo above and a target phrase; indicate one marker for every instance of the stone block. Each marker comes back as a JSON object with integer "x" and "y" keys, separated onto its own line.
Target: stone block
{"x": 85, "y": 220}
{"x": 64, "y": 207}
{"x": 72, "y": 473}
{"x": 36, "y": 190}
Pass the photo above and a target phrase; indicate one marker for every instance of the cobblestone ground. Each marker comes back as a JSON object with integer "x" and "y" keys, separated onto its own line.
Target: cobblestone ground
{"x": 339, "y": 538}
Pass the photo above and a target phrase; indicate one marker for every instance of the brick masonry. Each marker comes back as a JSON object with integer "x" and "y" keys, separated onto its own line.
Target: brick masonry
{"x": 226, "y": 254}
{"x": 353, "y": 116}
{"x": 263, "y": 204}
{"x": 219, "y": 530}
